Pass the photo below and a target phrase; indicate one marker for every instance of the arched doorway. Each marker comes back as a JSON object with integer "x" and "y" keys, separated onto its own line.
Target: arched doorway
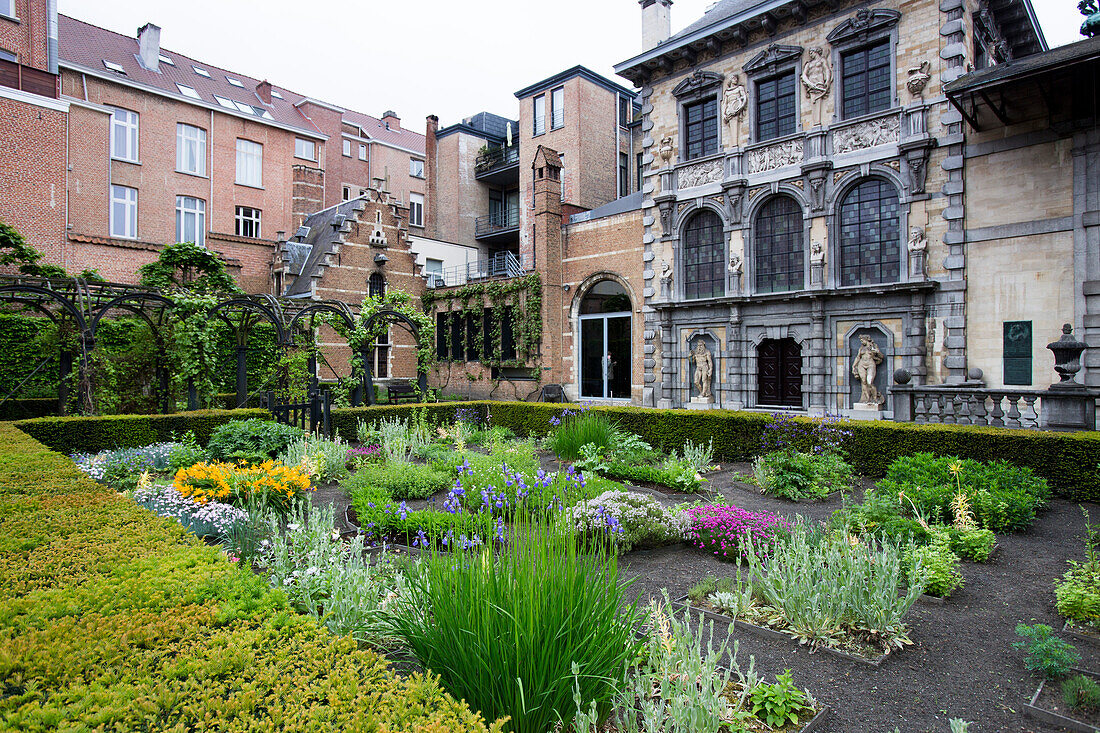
{"x": 605, "y": 342}
{"x": 779, "y": 373}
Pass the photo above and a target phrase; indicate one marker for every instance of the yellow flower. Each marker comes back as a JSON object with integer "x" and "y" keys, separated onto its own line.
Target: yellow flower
{"x": 956, "y": 467}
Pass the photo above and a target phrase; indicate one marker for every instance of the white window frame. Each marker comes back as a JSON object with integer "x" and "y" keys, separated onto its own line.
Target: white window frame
{"x": 126, "y": 124}
{"x": 188, "y": 91}
{"x": 126, "y": 228}
{"x": 347, "y": 148}
{"x": 557, "y": 111}
{"x": 7, "y": 8}
{"x": 250, "y": 163}
{"x": 362, "y": 151}
{"x": 416, "y": 209}
{"x": 188, "y": 136}
{"x": 193, "y": 209}
{"x": 539, "y": 119}
{"x": 416, "y": 168}
{"x": 253, "y": 216}
{"x": 299, "y": 152}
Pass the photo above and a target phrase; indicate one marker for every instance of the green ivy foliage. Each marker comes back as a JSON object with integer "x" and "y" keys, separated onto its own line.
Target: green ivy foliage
{"x": 14, "y": 250}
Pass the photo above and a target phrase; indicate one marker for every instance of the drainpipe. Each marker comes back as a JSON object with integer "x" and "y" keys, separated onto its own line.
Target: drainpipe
{"x": 51, "y": 35}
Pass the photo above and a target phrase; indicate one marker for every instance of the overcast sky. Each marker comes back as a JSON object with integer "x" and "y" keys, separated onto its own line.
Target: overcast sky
{"x": 418, "y": 57}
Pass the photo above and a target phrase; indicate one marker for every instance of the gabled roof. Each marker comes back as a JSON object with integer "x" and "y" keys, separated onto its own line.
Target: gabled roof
{"x": 581, "y": 71}
{"x": 324, "y": 232}
{"x": 377, "y": 130}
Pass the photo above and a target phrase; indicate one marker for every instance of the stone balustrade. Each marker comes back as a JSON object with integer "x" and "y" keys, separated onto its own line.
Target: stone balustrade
{"x": 965, "y": 405}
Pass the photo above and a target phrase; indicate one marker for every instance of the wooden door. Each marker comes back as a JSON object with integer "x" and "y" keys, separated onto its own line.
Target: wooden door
{"x": 779, "y": 373}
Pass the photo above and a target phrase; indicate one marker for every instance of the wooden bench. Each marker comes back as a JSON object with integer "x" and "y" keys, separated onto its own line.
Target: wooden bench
{"x": 402, "y": 391}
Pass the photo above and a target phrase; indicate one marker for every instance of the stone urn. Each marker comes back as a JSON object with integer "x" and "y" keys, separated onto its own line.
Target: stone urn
{"x": 1067, "y": 357}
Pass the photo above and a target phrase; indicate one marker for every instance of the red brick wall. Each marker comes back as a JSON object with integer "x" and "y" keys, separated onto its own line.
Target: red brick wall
{"x": 27, "y": 37}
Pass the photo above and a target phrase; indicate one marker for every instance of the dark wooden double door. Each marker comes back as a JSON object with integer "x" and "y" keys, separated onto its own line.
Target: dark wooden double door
{"x": 779, "y": 373}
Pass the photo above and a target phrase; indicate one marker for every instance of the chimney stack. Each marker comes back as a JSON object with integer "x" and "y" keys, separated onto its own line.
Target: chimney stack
{"x": 263, "y": 91}
{"x": 391, "y": 120}
{"x": 149, "y": 46}
{"x": 656, "y": 22}
{"x": 430, "y": 147}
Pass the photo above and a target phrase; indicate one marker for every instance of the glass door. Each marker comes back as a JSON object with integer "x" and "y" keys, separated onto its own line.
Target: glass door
{"x": 605, "y": 356}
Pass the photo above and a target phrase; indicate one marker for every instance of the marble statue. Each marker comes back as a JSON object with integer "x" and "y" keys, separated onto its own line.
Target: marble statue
{"x": 817, "y": 79}
{"x": 817, "y": 252}
{"x": 704, "y": 369}
{"x": 734, "y": 103}
{"x": 917, "y": 241}
{"x": 865, "y": 368}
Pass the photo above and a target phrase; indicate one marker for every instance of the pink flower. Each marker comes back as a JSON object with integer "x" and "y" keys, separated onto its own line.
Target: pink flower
{"x": 724, "y": 529}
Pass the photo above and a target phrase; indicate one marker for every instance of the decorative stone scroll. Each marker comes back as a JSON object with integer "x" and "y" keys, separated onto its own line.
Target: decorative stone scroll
{"x": 699, "y": 174}
{"x": 790, "y": 152}
{"x": 867, "y": 134}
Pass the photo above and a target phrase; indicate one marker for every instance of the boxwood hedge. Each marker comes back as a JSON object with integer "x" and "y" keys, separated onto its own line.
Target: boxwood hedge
{"x": 114, "y": 619}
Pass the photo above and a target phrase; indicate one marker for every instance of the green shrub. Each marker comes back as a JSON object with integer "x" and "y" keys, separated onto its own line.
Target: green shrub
{"x": 401, "y": 481}
{"x": 112, "y": 605}
{"x": 504, "y": 632}
{"x": 1047, "y": 655}
{"x": 1081, "y": 692}
{"x": 186, "y": 453}
{"x": 328, "y": 459}
{"x": 345, "y": 421}
{"x": 780, "y": 703}
{"x": 936, "y": 566}
{"x": 974, "y": 545}
{"x": 798, "y": 476}
{"x": 251, "y": 438}
{"x": 1079, "y": 590}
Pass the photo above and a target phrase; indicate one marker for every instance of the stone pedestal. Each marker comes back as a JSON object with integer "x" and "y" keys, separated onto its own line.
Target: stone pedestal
{"x": 700, "y": 403}
{"x": 1068, "y": 408}
{"x": 866, "y": 411}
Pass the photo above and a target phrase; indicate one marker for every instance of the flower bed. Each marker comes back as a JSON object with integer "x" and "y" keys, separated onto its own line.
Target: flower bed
{"x": 724, "y": 529}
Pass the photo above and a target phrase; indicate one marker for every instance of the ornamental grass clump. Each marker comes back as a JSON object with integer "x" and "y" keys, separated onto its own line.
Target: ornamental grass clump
{"x": 504, "y": 631}
{"x": 725, "y": 530}
{"x": 577, "y": 429}
{"x": 826, "y": 590}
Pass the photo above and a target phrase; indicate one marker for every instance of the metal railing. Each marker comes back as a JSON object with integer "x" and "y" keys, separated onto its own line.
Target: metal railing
{"x": 499, "y": 264}
{"x": 496, "y": 158}
{"x": 497, "y": 222}
{"x": 962, "y": 405}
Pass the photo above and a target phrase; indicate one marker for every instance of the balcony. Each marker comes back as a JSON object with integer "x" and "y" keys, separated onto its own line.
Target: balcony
{"x": 497, "y": 228}
{"x": 28, "y": 79}
{"x": 496, "y": 265}
{"x": 498, "y": 166}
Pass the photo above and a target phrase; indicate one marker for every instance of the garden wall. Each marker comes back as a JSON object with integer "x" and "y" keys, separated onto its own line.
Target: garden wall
{"x": 113, "y": 618}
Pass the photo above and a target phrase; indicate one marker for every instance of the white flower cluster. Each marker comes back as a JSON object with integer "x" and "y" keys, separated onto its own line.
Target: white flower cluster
{"x": 629, "y": 519}
{"x": 212, "y": 519}
{"x": 152, "y": 457}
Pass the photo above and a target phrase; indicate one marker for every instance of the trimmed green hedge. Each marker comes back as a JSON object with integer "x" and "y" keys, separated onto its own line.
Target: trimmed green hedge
{"x": 1067, "y": 460}
{"x": 92, "y": 434}
{"x": 25, "y": 409}
{"x": 114, "y": 619}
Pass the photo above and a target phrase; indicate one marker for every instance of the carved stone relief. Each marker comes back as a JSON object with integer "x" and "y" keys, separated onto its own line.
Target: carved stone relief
{"x": 699, "y": 174}
{"x": 866, "y": 134}
{"x": 775, "y": 156}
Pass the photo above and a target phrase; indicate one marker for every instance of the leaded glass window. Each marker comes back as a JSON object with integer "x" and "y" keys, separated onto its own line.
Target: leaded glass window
{"x": 704, "y": 256}
{"x": 870, "y": 234}
{"x": 701, "y": 128}
{"x": 779, "y": 246}
{"x": 775, "y": 107}
{"x": 865, "y": 85}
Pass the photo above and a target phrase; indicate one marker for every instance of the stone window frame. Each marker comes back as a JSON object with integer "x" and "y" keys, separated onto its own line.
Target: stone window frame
{"x": 637, "y": 324}
{"x": 846, "y": 186}
{"x": 852, "y": 35}
{"x": 677, "y": 286}
{"x": 748, "y": 238}
{"x": 774, "y": 61}
{"x": 701, "y": 86}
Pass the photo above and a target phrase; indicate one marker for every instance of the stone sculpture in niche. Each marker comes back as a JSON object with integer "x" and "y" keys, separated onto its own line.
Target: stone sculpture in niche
{"x": 865, "y": 368}
{"x": 666, "y": 278}
{"x": 917, "y": 241}
{"x": 734, "y": 103}
{"x": 817, "y": 80}
{"x": 704, "y": 371}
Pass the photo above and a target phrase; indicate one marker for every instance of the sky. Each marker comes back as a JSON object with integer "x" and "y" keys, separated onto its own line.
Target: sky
{"x": 418, "y": 57}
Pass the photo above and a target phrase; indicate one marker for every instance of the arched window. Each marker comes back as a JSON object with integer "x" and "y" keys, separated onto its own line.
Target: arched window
{"x": 376, "y": 285}
{"x": 704, "y": 256}
{"x": 605, "y": 365}
{"x": 779, "y": 246}
{"x": 870, "y": 234}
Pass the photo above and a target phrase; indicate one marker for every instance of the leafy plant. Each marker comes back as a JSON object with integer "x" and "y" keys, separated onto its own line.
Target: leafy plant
{"x": 1078, "y": 592}
{"x": 958, "y": 725}
{"x": 503, "y": 631}
{"x": 938, "y": 567}
{"x": 1047, "y": 655}
{"x": 326, "y": 460}
{"x": 699, "y": 457}
{"x": 578, "y": 430}
{"x": 726, "y": 530}
{"x": 798, "y": 476}
{"x": 1081, "y": 692}
{"x": 780, "y": 703}
{"x": 592, "y": 459}
{"x": 409, "y": 481}
{"x": 736, "y": 599}
{"x": 186, "y": 453}
{"x": 251, "y": 437}
{"x": 626, "y": 520}
{"x": 975, "y": 545}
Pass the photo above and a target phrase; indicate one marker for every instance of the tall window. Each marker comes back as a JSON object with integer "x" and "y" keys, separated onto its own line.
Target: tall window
{"x": 416, "y": 168}
{"x": 190, "y": 149}
{"x": 124, "y": 135}
{"x": 191, "y": 220}
{"x": 376, "y": 285}
{"x": 124, "y": 212}
{"x": 381, "y": 365}
{"x": 624, "y": 174}
{"x": 704, "y": 256}
{"x": 347, "y": 148}
{"x": 870, "y": 234}
{"x": 638, "y": 171}
{"x": 362, "y": 151}
{"x": 775, "y": 107}
{"x": 778, "y": 249}
{"x": 248, "y": 222}
{"x": 557, "y": 108}
{"x": 250, "y": 163}
{"x": 346, "y": 193}
{"x": 540, "y": 114}
{"x": 305, "y": 149}
{"x": 626, "y": 111}
{"x": 7, "y": 7}
{"x": 701, "y": 128}
{"x": 416, "y": 209}
{"x": 865, "y": 80}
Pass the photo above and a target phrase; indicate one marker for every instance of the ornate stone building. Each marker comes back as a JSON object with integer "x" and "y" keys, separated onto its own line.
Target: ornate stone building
{"x": 804, "y": 196}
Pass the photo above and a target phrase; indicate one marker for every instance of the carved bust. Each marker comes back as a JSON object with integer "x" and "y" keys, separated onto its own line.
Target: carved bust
{"x": 917, "y": 241}
{"x": 817, "y": 253}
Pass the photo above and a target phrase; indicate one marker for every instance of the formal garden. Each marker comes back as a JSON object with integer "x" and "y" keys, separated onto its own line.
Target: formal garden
{"x": 534, "y": 567}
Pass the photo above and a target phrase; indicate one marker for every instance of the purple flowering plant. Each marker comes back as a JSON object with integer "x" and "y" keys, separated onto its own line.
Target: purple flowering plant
{"x": 723, "y": 529}
{"x": 784, "y": 431}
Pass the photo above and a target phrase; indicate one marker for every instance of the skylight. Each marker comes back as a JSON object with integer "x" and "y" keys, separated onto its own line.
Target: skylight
{"x": 114, "y": 67}
{"x": 234, "y": 82}
{"x": 201, "y": 72}
{"x": 267, "y": 115}
{"x": 246, "y": 108}
{"x": 188, "y": 91}
{"x": 276, "y": 94}
{"x": 227, "y": 103}
{"x": 165, "y": 60}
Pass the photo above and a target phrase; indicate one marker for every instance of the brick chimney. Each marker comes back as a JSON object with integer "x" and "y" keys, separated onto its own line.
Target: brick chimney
{"x": 430, "y": 174}
{"x": 548, "y": 253}
{"x": 391, "y": 120}
{"x": 263, "y": 91}
{"x": 148, "y": 37}
{"x": 656, "y": 22}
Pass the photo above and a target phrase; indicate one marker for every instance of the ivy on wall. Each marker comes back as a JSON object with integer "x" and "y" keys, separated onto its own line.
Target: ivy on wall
{"x": 486, "y": 306}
